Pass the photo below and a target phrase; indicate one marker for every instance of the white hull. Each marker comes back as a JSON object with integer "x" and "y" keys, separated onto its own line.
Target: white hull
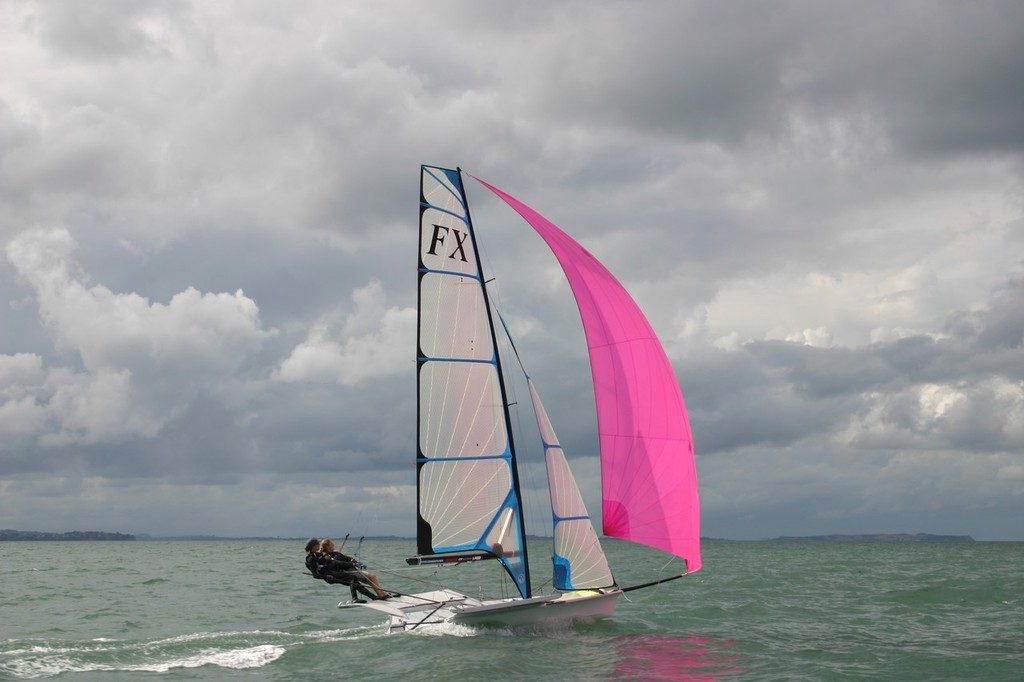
{"x": 447, "y": 606}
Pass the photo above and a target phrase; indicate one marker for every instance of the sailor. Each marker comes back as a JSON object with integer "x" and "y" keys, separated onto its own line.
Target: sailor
{"x": 312, "y": 549}
{"x": 334, "y": 567}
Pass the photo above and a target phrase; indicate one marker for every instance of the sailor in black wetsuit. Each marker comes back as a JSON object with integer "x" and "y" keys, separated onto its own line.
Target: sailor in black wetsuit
{"x": 334, "y": 567}
{"x": 312, "y": 552}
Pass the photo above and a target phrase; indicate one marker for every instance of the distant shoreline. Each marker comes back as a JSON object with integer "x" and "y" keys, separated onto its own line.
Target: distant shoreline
{"x": 262, "y": 538}
{"x": 881, "y": 537}
{"x": 72, "y": 536}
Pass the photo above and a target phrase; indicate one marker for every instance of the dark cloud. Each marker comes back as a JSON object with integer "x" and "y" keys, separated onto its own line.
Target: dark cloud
{"x": 933, "y": 78}
{"x": 999, "y": 328}
{"x": 937, "y": 74}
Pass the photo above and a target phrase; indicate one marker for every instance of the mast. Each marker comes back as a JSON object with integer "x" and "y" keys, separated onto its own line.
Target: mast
{"x": 504, "y": 394}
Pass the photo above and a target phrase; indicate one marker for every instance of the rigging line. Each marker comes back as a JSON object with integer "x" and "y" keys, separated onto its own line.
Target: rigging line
{"x": 439, "y": 606}
{"x": 422, "y": 581}
{"x": 668, "y": 563}
{"x": 440, "y": 585}
{"x": 653, "y": 582}
{"x": 533, "y": 506}
{"x": 409, "y": 568}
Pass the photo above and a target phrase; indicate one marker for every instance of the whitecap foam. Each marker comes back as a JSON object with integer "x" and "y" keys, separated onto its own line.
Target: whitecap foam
{"x": 451, "y": 629}
{"x": 363, "y": 632}
{"x": 235, "y": 659}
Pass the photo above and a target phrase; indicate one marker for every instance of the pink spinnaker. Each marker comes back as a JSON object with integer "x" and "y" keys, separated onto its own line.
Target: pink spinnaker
{"x": 648, "y": 471}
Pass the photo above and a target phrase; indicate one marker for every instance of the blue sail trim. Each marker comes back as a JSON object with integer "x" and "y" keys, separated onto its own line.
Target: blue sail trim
{"x": 453, "y": 177}
{"x": 562, "y": 573}
{"x": 512, "y": 561}
{"x": 561, "y": 567}
{"x": 450, "y": 272}
{"x": 440, "y": 209}
{"x": 469, "y": 360}
{"x": 460, "y": 459}
{"x": 517, "y": 568}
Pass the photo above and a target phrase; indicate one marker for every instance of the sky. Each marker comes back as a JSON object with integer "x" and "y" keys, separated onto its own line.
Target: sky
{"x": 208, "y": 217}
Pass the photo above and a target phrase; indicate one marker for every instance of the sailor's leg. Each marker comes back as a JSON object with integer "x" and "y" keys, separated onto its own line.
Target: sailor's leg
{"x": 381, "y": 592}
{"x": 356, "y": 585}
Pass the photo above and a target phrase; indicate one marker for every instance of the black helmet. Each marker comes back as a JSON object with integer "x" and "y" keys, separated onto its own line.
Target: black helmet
{"x": 313, "y": 542}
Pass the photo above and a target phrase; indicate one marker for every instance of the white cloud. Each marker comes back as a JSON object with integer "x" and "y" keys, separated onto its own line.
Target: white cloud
{"x": 19, "y": 369}
{"x": 986, "y": 414}
{"x": 376, "y": 343}
{"x": 144, "y": 362}
{"x": 101, "y": 406}
{"x": 111, "y": 330}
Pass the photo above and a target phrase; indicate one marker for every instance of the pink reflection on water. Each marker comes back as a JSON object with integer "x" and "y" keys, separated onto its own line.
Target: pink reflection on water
{"x": 692, "y": 658}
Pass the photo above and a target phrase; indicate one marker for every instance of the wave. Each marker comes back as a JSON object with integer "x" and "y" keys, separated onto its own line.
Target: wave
{"x": 33, "y": 659}
{"x": 40, "y": 662}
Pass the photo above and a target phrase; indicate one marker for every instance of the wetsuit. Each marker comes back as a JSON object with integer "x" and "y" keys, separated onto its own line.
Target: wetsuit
{"x": 337, "y": 568}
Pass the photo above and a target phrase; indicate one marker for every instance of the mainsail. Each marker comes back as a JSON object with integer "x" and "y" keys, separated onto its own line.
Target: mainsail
{"x": 468, "y": 490}
{"x": 648, "y": 472}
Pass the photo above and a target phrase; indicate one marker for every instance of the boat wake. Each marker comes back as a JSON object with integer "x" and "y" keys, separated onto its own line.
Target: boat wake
{"x": 34, "y": 659}
{"x": 448, "y": 629}
{"x": 42, "y": 661}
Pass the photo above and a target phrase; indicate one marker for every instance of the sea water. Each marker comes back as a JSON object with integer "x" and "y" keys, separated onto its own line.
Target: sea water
{"x": 795, "y": 610}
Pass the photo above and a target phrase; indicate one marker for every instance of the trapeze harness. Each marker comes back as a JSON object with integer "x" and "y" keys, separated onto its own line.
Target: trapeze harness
{"x": 339, "y": 569}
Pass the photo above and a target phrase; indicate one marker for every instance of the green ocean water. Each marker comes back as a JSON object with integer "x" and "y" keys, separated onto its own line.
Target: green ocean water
{"x": 757, "y": 611}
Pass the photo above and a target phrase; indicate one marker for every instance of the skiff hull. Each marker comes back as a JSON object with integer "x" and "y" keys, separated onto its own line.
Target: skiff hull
{"x": 409, "y": 612}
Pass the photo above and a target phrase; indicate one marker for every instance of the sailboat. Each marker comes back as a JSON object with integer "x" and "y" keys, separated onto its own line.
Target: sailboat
{"x": 469, "y": 505}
